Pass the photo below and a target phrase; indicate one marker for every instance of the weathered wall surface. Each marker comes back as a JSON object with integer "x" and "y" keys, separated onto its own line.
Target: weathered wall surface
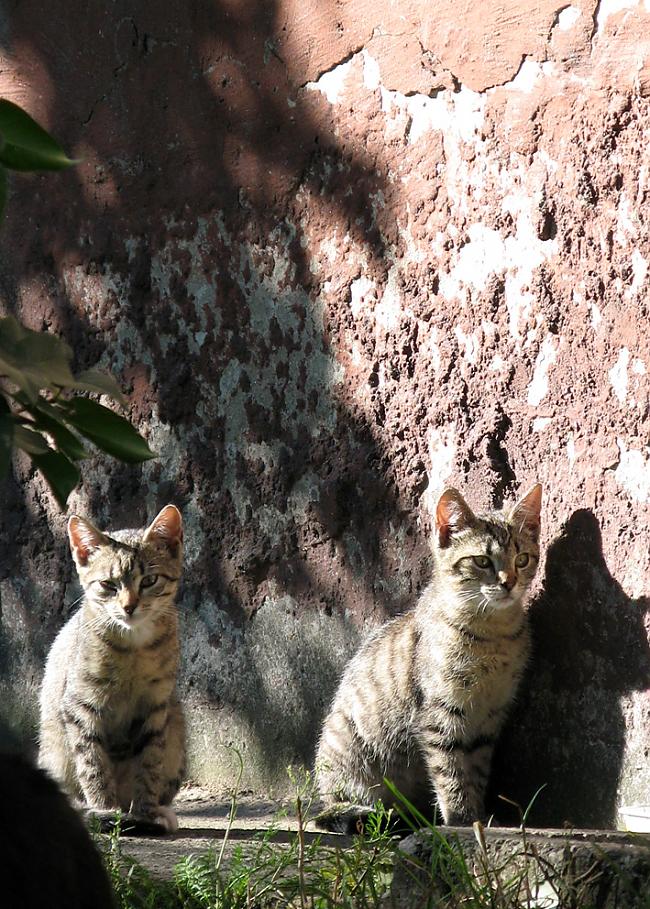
{"x": 340, "y": 254}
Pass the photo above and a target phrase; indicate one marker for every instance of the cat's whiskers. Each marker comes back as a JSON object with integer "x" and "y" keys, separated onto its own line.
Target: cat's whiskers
{"x": 469, "y": 597}
{"x": 75, "y": 602}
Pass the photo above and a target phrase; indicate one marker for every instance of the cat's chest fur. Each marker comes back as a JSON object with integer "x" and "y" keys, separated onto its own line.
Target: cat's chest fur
{"x": 473, "y": 671}
{"x": 124, "y": 678}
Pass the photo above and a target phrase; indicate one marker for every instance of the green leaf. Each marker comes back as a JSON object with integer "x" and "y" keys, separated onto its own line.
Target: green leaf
{"x": 27, "y": 146}
{"x": 4, "y": 189}
{"x": 33, "y": 359}
{"x": 31, "y": 442}
{"x": 6, "y": 436}
{"x": 61, "y": 474}
{"x": 101, "y": 383}
{"x": 48, "y": 418}
{"x": 107, "y": 430}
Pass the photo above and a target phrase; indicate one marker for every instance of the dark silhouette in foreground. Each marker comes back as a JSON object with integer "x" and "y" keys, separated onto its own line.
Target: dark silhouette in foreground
{"x": 48, "y": 857}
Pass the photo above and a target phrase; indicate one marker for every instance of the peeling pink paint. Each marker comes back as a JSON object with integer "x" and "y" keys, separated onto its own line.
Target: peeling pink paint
{"x": 341, "y": 254}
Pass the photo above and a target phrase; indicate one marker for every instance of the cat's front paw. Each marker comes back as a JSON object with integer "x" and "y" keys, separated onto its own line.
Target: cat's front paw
{"x": 166, "y": 817}
{"x": 103, "y": 820}
{"x": 155, "y": 820}
{"x": 462, "y": 818}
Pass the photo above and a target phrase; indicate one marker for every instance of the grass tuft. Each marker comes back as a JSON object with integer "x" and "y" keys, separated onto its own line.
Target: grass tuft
{"x": 432, "y": 869}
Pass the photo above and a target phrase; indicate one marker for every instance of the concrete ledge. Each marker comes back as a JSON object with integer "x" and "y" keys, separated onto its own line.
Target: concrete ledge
{"x": 203, "y": 822}
{"x": 545, "y": 868}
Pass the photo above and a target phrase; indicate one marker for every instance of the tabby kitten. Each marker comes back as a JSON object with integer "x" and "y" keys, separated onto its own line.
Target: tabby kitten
{"x": 425, "y": 697}
{"x": 111, "y": 729}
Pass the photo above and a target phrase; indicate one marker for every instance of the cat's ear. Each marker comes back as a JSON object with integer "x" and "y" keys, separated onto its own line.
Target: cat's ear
{"x": 166, "y": 527}
{"x": 84, "y": 539}
{"x": 453, "y": 514}
{"x": 525, "y": 514}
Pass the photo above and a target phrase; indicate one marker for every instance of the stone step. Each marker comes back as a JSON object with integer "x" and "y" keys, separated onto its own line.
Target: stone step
{"x": 549, "y": 869}
{"x": 553, "y": 869}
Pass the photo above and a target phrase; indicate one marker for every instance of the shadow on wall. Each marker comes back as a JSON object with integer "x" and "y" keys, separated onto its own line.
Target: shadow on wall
{"x": 223, "y": 129}
{"x": 285, "y": 670}
{"x": 590, "y": 650}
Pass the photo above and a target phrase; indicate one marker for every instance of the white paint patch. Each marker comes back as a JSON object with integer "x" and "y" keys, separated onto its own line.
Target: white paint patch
{"x": 571, "y": 450}
{"x": 524, "y": 253}
{"x": 639, "y": 271}
{"x": 477, "y": 261}
{"x": 389, "y": 308}
{"x": 541, "y": 423}
{"x": 618, "y": 374}
{"x": 607, "y": 8}
{"x": 538, "y": 388}
{"x": 468, "y": 344}
{"x": 330, "y": 249}
{"x": 638, "y": 366}
{"x": 627, "y": 223}
{"x": 371, "y": 72}
{"x": 412, "y": 252}
{"x": 430, "y": 346}
{"x": 331, "y": 83}
{"x": 568, "y": 17}
{"x": 459, "y": 115}
{"x": 442, "y": 454}
{"x": 360, "y": 291}
{"x": 528, "y": 75}
{"x": 596, "y": 317}
{"x": 488, "y": 253}
{"x": 633, "y": 472}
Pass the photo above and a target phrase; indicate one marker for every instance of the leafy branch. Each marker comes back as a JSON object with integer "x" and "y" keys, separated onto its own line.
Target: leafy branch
{"x": 43, "y": 409}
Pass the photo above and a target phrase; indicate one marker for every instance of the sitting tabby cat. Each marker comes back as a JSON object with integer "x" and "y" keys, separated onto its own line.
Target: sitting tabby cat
{"x": 424, "y": 699}
{"x": 111, "y": 729}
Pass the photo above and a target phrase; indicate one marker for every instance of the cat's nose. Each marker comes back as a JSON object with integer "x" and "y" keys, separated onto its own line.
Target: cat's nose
{"x": 130, "y": 605}
{"x": 506, "y": 580}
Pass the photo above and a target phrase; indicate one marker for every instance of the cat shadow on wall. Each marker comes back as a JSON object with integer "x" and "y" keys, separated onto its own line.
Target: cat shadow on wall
{"x": 567, "y": 731}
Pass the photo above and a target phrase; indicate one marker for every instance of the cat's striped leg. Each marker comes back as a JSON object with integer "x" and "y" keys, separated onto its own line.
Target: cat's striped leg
{"x": 160, "y": 756}
{"x": 149, "y": 752}
{"x": 459, "y": 772}
{"x": 92, "y": 764}
{"x": 174, "y": 758}
{"x": 343, "y": 770}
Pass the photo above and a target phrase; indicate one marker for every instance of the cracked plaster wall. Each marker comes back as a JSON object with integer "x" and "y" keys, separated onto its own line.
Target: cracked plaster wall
{"x": 341, "y": 254}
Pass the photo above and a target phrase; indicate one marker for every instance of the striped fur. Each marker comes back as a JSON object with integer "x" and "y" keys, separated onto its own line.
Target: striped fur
{"x": 424, "y": 699}
{"x": 111, "y": 728}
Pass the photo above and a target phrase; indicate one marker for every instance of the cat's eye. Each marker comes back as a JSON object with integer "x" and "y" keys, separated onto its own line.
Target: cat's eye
{"x": 108, "y": 586}
{"x": 522, "y": 560}
{"x": 482, "y": 561}
{"x": 148, "y": 580}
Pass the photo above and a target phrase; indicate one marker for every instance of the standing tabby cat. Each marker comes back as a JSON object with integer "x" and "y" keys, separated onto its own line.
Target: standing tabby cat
{"x": 424, "y": 699}
{"x": 112, "y": 730}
